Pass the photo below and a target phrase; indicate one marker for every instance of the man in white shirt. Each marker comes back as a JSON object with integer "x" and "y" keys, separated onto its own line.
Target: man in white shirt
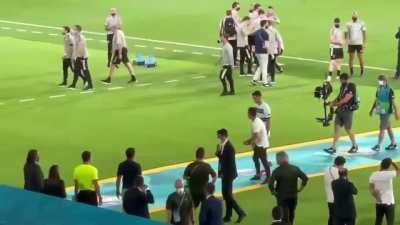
{"x": 381, "y": 188}
{"x": 244, "y": 30}
{"x": 112, "y": 21}
{"x": 336, "y": 49}
{"x": 259, "y": 141}
{"x": 275, "y": 47}
{"x": 263, "y": 110}
{"x": 68, "y": 54}
{"x": 80, "y": 55}
{"x": 331, "y": 174}
{"x": 356, "y": 37}
{"x": 120, "y": 54}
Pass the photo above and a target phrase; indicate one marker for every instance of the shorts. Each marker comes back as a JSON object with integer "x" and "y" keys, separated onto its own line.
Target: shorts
{"x": 87, "y": 197}
{"x": 344, "y": 119}
{"x": 124, "y": 59}
{"x": 336, "y": 53}
{"x": 384, "y": 122}
{"x": 355, "y": 48}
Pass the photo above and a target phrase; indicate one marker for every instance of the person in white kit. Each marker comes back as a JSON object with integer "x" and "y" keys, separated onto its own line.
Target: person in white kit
{"x": 259, "y": 141}
{"x": 331, "y": 174}
{"x": 244, "y": 30}
{"x": 275, "y": 47}
{"x": 263, "y": 110}
{"x": 381, "y": 188}
{"x": 356, "y": 36}
{"x": 68, "y": 54}
{"x": 336, "y": 49}
{"x": 112, "y": 21}
{"x": 120, "y": 54}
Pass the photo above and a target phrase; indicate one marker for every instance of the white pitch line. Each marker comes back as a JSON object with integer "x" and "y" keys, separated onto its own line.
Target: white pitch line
{"x": 178, "y": 51}
{"x": 171, "y": 81}
{"x": 36, "y": 32}
{"x": 144, "y": 84}
{"x": 141, "y": 46}
{"x": 198, "y": 77}
{"x": 89, "y": 39}
{"x": 21, "y": 30}
{"x": 197, "y": 53}
{"x": 52, "y": 34}
{"x": 86, "y": 92}
{"x": 215, "y": 55}
{"x": 5, "y": 28}
{"x": 114, "y": 88}
{"x": 159, "y": 48}
{"x": 56, "y": 96}
{"x": 27, "y": 100}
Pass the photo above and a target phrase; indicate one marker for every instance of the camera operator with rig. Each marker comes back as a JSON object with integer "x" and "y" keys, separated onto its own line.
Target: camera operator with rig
{"x": 345, "y": 103}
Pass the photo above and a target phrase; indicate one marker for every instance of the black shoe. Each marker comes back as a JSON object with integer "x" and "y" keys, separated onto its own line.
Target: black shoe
{"x": 132, "y": 80}
{"x": 330, "y": 150}
{"x": 241, "y": 217}
{"x": 87, "y": 88}
{"x": 376, "y": 148}
{"x": 231, "y": 93}
{"x": 391, "y": 147}
{"x": 107, "y": 80}
{"x": 353, "y": 149}
{"x": 256, "y": 177}
{"x": 224, "y": 93}
{"x": 62, "y": 84}
{"x": 71, "y": 86}
{"x": 226, "y": 220}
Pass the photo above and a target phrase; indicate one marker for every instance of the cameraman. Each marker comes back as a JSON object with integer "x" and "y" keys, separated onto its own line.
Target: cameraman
{"x": 345, "y": 104}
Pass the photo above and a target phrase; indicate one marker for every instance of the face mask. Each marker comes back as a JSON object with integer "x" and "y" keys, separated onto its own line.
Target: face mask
{"x": 381, "y": 83}
{"x": 180, "y": 190}
{"x": 354, "y": 19}
{"x": 337, "y": 25}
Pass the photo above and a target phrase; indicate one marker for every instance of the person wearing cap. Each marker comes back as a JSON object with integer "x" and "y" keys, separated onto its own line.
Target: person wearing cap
{"x": 356, "y": 36}
{"x": 331, "y": 174}
{"x": 113, "y": 21}
{"x": 346, "y": 103}
{"x": 397, "y": 36}
{"x": 336, "y": 49}
{"x": 381, "y": 188}
{"x": 384, "y": 106}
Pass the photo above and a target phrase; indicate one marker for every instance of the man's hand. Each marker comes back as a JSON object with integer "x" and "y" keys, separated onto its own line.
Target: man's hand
{"x": 118, "y": 194}
{"x": 100, "y": 200}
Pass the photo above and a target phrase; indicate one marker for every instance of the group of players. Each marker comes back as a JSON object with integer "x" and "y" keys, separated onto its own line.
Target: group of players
{"x": 76, "y": 54}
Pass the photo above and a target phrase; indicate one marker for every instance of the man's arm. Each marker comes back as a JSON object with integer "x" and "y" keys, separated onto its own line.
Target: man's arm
{"x": 169, "y": 216}
{"x": 395, "y": 109}
{"x": 252, "y": 139}
{"x": 371, "y": 112}
{"x": 271, "y": 183}
{"x": 268, "y": 125}
{"x": 343, "y": 101}
{"x": 149, "y": 197}
{"x": 396, "y": 168}
{"x": 76, "y": 188}
{"x": 364, "y": 38}
{"x": 213, "y": 174}
{"x": 304, "y": 179}
{"x": 98, "y": 192}
{"x": 353, "y": 189}
{"x": 117, "y": 186}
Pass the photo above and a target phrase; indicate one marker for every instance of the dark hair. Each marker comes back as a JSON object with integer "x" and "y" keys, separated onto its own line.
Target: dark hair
{"x": 261, "y": 11}
{"x": 386, "y": 163}
{"x": 277, "y": 213}
{"x": 32, "y": 156}
{"x": 54, "y": 174}
{"x": 78, "y": 27}
{"x": 130, "y": 153}
{"x": 257, "y": 93}
{"x": 343, "y": 173}
{"x": 67, "y": 28}
{"x": 263, "y": 23}
{"x": 210, "y": 188}
{"x": 223, "y": 132}
{"x": 138, "y": 181}
{"x": 252, "y": 111}
{"x": 235, "y": 4}
{"x": 344, "y": 76}
{"x": 86, "y": 155}
{"x": 270, "y": 7}
{"x": 245, "y": 18}
{"x": 282, "y": 154}
{"x": 340, "y": 161}
{"x": 336, "y": 20}
{"x": 200, "y": 153}
{"x": 228, "y": 12}
{"x": 257, "y": 5}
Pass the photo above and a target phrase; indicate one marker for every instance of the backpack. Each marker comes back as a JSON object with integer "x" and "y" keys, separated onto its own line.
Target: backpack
{"x": 229, "y": 26}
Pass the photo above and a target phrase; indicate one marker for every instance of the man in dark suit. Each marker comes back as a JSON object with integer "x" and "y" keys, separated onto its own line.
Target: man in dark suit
{"x": 277, "y": 216}
{"x": 227, "y": 172}
{"x": 211, "y": 208}
{"x": 344, "y": 206}
{"x": 136, "y": 199}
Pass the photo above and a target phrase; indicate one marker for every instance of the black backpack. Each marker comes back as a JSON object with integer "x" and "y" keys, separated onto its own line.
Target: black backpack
{"x": 229, "y": 26}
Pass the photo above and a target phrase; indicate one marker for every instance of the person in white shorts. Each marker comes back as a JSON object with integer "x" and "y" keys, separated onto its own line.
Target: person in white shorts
{"x": 356, "y": 36}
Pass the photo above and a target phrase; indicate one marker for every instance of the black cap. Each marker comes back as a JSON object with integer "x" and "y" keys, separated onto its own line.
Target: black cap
{"x": 344, "y": 76}
{"x": 336, "y": 20}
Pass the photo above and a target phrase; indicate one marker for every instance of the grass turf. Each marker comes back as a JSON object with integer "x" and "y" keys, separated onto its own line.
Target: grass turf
{"x": 165, "y": 122}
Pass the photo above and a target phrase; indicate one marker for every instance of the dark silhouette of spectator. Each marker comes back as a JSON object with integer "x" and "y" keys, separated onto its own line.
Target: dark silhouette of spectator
{"x": 33, "y": 174}
{"x": 54, "y": 185}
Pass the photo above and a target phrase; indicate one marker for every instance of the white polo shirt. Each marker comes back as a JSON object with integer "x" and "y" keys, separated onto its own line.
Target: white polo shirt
{"x": 331, "y": 174}
{"x": 112, "y": 22}
{"x": 119, "y": 40}
{"x": 336, "y": 35}
{"x": 68, "y": 45}
{"x": 242, "y": 33}
{"x": 263, "y": 111}
{"x": 80, "y": 49}
{"x": 258, "y": 127}
{"x": 383, "y": 182}
{"x": 355, "y": 31}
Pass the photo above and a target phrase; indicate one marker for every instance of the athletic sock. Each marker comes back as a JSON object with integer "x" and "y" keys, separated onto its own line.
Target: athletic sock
{"x": 351, "y": 71}
{"x": 362, "y": 70}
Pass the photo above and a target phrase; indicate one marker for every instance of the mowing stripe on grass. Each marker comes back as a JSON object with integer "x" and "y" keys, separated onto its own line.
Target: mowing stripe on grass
{"x": 6, "y": 28}
{"x": 36, "y": 32}
{"x": 143, "y": 85}
{"x": 52, "y": 34}
{"x": 27, "y": 100}
{"x": 86, "y": 92}
{"x": 21, "y": 30}
{"x": 197, "y": 53}
{"x": 114, "y": 88}
{"x": 159, "y": 48}
{"x": 141, "y": 46}
{"x": 56, "y": 96}
{"x": 171, "y": 81}
{"x": 198, "y": 77}
{"x": 178, "y": 51}
{"x": 215, "y": 55}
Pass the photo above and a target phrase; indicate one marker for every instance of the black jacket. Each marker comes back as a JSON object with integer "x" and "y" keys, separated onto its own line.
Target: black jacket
{"x": 33, "y": 177}
{"x": 135, "y": 202}
{"x": 211, "y": 212}
{"x": 227, "y": 162}
{"x": 343, "y": 191}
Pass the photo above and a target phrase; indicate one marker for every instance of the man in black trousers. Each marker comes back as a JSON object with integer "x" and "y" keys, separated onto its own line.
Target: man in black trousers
{"x": 283, "y": 183}
{"x": 397, "y": 74}
{"x": 227, "y": 172}
{"x": 344, "y": 207}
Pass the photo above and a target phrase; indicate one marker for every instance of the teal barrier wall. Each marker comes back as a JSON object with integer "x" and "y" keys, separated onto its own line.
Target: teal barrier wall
{"x": 19, "y": 207}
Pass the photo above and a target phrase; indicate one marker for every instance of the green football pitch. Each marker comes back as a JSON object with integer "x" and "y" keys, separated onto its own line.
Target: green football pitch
{"x": 175, "y": 107}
